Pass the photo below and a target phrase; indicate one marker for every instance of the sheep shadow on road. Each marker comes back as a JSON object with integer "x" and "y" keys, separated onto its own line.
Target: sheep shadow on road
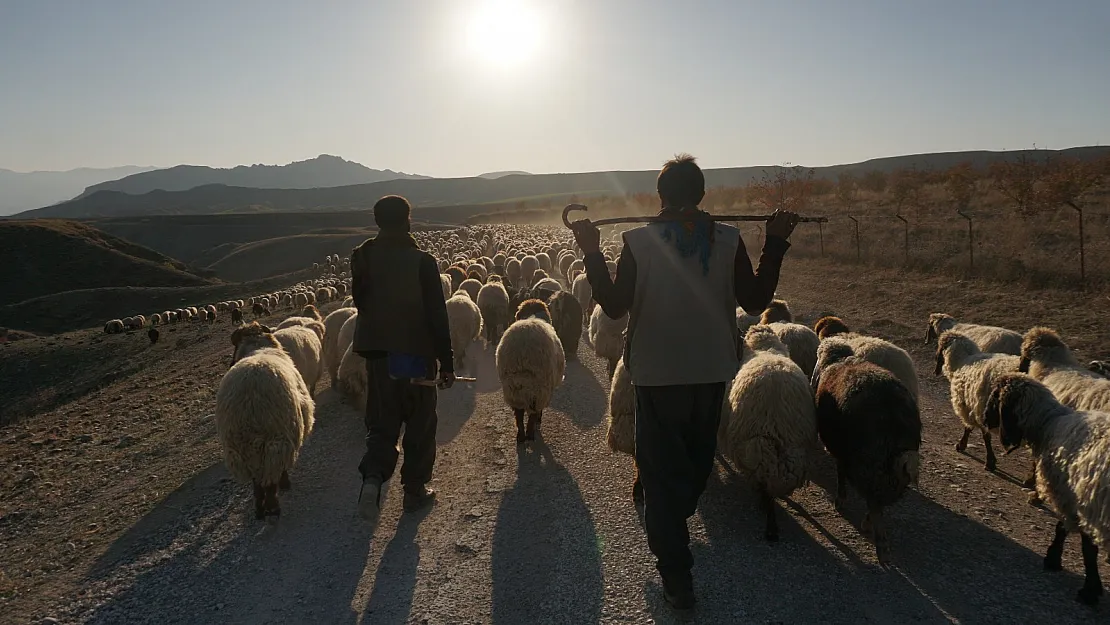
{"x": 581, "y": 396}
{"x": 223, "y": 566}
{"x": 546, "y": 560}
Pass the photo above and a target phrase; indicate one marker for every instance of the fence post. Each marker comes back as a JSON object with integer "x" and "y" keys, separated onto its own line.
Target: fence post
{"x": 855, "y": 221}
{"x": 970, "y": 240}
{"x": 906, "y": 245}
{"x": 821, "y": 236}
{"x": 1082, "y": 256}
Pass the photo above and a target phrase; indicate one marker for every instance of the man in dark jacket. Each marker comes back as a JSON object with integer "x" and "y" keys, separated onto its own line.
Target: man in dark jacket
{"x": 401, "y": 330}
{"x": 679, "y": 282}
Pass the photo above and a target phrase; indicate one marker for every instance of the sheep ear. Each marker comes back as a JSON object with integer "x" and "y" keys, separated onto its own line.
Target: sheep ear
{"x": 236, "y": 336}
{"x": 940, "y": 362}
{"x": 1023, "y": 365}
{"x": 265, "y": 329}
{"x": 930, "y": 333}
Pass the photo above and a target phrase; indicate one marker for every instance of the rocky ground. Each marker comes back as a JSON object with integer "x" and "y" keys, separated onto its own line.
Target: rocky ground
{"x": 115, "y": 507}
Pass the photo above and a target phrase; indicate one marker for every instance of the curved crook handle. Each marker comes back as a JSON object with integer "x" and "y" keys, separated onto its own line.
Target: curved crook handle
{"x": 570, "y": 208}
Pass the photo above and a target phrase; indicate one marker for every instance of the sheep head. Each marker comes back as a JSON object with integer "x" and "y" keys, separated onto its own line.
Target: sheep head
{"x": 533, "y": 308}
{"x": 953, "y": 347}
{"x": 311, "y": 312}
{"x": 939, "y": 323}
{"x": 1042, "y": 344}
{"x": 830, "y": 326}
{"x": 761, "y": 338}
{"x": 777, "y": 311}
{"x": 250, "y": 338}
{"x": 1013, "y": 396}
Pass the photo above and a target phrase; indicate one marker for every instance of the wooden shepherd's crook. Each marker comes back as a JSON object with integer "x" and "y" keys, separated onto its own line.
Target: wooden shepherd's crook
{"x": 650, "y": 220}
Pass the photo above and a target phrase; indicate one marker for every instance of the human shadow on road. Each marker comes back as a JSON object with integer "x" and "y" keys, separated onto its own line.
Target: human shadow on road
{"x": 546, "y": 556}
{"x": 581, "y": 396}
{"x": 219, "y": 564}
{"x": 395, "y": 581}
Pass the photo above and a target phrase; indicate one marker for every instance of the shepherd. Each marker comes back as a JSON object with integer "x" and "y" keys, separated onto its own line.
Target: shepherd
{"x": 680, "y": 282}
{"x": 402, "y": 331}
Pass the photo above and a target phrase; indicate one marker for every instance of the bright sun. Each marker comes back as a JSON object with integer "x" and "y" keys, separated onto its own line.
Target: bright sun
{"x": 504, "y": 33}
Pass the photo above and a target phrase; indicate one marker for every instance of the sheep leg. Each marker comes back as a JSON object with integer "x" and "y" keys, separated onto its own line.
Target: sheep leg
{"x": 1052, "y": 559}
{"x": 530, "y": 430}
{"x": 772, "y": 531}
{"x": 612, "y": 367}
{"x": 991, "y": 461}
{"x": 962, "y": 445}
{"x": 1031, "y": 479}
{"x": 1092, "y": 583}
{"x": 270, "y": 494}
{"x": 259, "y": 502}
{"x": 878, "y": 533}
{"x": 841, "y": 486}
{"x": 283, "y": 482}
{"x": 519, "y": 414}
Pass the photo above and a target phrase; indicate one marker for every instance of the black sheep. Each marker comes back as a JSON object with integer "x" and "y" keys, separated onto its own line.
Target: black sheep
{"x": 153, "y": 335}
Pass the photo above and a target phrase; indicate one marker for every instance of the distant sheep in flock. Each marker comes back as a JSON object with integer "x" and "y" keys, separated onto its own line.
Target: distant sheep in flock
{"x": 872, "y": 349}
{"x": 300, "y": 300}
{"x": 493, "y": 303}
{"x": 988, "y": 338}
{"x": 466, "y": 324}
{"x": 446, "y": 282}
{"x": 529, "y": 265}
{"x": 263, "y": 416}
{"x": 236, "y": 316}
{"x": 259, "y": 310}
{"x": 115, "y": 326}
{"x": 530, "y": 363}
{"x": 1046, "y": 357}
{"x": 333, "y": 323}
{"x": 606, "y": 336}
{"x": 303, "y": 346}
{"x": 545, "y": 262}
{"x": 799, "y": 339}
{"x": 584, "y": 293}
{"x": 480, "y": 269}
{"x": 152, "y": 334}
{"x": 311, "y": 312}
{"x": 457, "y": 276}
{"x": 870, "y": 423}
{"x": 770, "y": 422}
{"x": 1072, "y": 452}
{"x": 566, "y": 317}
{"x": 308, "y": 322}
{"x": 971, "y": 374}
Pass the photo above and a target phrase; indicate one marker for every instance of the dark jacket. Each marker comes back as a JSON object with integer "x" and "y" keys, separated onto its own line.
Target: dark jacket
{"x": 399, "y": 296}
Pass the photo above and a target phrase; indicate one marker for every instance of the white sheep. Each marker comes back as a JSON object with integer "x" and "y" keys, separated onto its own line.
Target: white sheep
{"x": 1046, "y": 357}
{"x": 263, "y": 415}
{"x": 988, "y": 338}
{"x": 446, "y": 282}
{"x": 471, "y": 287}
{"x": 528, "y": 267}
{"x": 333, "y": 324}
{"x": 530, "y": 363}
{"x": 114, "y": 326}
{"x": 771, "y": 420}
{"x": 304, "y": 348}
{"x": 872, "y": 349}
{"x": 583, "y": 292}
{"x": 1072, "y": 452}
{"x": 971, "y": 375}
{"x": 493, "y": 303}
{"x": 307, "y": 322}
{"x": 465, "y": 320}
{"x": 606, "y": 337}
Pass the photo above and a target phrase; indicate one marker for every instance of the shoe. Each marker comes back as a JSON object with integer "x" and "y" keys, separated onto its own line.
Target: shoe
{"x": 370, "y": 500}
{"x": 680, "y": 595}
{"x": 418, "y": 498}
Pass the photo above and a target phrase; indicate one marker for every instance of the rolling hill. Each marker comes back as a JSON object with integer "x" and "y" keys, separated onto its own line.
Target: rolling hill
{"x": 20, "y": 191}
{"x": 433, "y": 192}
{"x": 47, "y": 257}
{"x": 322, "y": 171}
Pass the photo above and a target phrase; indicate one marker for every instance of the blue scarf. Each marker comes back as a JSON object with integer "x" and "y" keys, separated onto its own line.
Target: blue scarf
{"x": 690, "y": 237}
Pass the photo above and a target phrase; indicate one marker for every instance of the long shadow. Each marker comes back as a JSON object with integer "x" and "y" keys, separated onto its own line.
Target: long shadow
{"x": 391, "y": 599}
{"x": 546, "y": 555}
{"x": 220, "y": 565}
{"x": 454, "y": 407}
{"x": 581, "y": 396}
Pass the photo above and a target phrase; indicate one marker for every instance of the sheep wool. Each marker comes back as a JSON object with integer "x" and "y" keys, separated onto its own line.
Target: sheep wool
{"x": 1046, "y": 357}
{"x": 606, "y": 336}
{"x": 493, "y": 303}
{"x": 471, "y": 287}
{"x": 566, "y": 317}
{"x": 307, "y": 322}
{"x": 620, "y": 436}
{"x": 333, "y": 324}
{"x": 263, "y": 415}
{"x": 989, "y": 338}
{"x": 303, "y": 346}
{"x": 872, "y": 349}
{"x": 530, "y": 364}
{"x": 583, "y": 292}
{"x": 465, "y": 320}
{"x": 800, "y": 341}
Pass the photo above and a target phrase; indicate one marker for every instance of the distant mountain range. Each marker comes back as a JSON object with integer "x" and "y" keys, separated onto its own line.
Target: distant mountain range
{"x": 494, "y": 175}
{"x": 323, "y": 171}
{"x": 21, "y": 191}
{"x": 442, "y": 192}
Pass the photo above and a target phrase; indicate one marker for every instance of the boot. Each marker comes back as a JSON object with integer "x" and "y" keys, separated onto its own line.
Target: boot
{"x": 370, "y": 500}
{"x": 678, "y": 590}
{"x": 418, "y": 498}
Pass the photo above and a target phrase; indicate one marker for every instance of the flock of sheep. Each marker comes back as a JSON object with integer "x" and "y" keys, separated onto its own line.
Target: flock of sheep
{"x": 522, "y": 289}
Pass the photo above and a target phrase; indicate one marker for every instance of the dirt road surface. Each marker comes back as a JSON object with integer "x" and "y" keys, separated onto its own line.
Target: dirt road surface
{"x": 118, "y": 510}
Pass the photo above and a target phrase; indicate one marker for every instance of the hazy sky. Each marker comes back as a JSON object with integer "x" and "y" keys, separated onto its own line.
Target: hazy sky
{"x": 433, "y": 87}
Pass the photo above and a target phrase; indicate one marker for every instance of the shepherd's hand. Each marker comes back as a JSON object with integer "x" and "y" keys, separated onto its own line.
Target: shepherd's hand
{"x": 587, "y": 236}
{"x": 446, "y": 380}
{"x": 782, "y": 224}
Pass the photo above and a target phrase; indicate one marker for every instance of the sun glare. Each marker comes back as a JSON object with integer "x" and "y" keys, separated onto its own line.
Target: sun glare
{"x": 504, "y": 33}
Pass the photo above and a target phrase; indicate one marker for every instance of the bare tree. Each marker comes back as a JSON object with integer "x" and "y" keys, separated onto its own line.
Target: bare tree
{"x": 785, "y": 188}
{"x": 1019, "y": 180}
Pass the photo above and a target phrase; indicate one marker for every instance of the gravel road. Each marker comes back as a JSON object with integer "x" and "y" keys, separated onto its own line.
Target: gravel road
{"x": 549, "y": 534}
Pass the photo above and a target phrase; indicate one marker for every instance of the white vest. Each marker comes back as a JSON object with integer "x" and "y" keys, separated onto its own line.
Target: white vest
{"x": 682, "y": 324}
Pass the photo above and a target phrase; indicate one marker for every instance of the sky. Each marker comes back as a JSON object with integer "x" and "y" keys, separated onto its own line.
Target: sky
{"x": 460, "y": 87}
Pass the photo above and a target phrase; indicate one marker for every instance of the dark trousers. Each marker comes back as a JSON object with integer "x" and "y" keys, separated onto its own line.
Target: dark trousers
{"x": 389, "y": 404}
{"x": 676, "y": 440}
